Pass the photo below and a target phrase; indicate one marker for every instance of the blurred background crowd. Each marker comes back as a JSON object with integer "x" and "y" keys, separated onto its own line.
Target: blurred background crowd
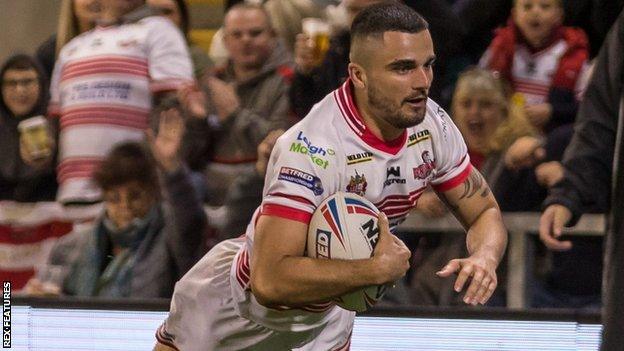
{"x": 137, "y": 135}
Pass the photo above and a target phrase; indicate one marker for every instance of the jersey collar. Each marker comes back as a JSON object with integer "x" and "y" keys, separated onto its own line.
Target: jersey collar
{"x": 346, "y": 104}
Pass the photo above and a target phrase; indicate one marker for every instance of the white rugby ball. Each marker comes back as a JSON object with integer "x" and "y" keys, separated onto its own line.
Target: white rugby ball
{"x": 344, "y": 226}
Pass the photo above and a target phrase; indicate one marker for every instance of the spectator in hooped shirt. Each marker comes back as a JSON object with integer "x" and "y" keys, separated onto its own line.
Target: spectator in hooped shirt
{"x": 104, "y": 85}
{"x": 75, "y": 18}
{"x": 177, "y": 12}
{"x": 22, "y": 177}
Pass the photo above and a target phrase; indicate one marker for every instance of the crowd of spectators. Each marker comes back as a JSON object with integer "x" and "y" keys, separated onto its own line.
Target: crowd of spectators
{"x": 175, "y": 145}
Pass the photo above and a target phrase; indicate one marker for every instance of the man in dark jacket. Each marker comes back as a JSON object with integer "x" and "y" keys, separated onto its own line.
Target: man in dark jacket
{"x": 593, "y": 175}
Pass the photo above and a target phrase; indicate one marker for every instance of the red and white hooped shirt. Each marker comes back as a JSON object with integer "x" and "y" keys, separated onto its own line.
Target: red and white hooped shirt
{"x": 102, "y": 88}
{"x": 332, "y": 150}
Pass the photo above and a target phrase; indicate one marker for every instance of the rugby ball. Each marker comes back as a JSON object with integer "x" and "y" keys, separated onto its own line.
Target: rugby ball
{"x": 344, "y": 227}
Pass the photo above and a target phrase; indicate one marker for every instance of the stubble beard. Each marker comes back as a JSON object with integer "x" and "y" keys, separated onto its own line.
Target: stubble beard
{"x": 386, "y": 109}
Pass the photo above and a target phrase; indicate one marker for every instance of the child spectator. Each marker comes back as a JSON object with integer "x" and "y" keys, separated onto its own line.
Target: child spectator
{"x": 542, "y": 60}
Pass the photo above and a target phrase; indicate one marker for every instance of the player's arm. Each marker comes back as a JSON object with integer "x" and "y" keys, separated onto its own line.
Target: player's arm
{"x": 281, "y": 275}
{"x": 474, "y": 205}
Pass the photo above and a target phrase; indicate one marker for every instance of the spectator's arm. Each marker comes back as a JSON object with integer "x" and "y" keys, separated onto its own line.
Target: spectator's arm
{"x": 187, "y": 222}
{"x": 588, "y": 161}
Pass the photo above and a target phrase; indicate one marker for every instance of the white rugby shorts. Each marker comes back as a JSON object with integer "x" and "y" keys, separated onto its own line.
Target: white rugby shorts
{"x": 205, "y": 314}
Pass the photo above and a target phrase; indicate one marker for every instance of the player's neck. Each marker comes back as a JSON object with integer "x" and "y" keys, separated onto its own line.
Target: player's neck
{"x": 375, "y": 124}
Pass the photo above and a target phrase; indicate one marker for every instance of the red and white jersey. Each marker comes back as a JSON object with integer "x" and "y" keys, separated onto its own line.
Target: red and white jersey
{"x": 102, "y": 88}
{"x": 532, "y": 72}
{"x": 332, "y": 150}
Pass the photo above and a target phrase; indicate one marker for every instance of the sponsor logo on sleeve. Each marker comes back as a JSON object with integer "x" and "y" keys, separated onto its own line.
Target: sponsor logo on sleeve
{"x": 419, "y": 136}
{"x": 424, "y": 170}
{"x": 302, "y": 178}
{"x": 304, "y": 146}
{"x": 359, "y": 158}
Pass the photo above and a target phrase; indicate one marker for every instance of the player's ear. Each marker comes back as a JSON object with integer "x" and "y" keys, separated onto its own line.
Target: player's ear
{"x": 357, "y": 75}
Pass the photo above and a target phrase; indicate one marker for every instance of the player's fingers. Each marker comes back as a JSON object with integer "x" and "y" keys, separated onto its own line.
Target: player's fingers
{"x": 483, "y": 289}
{"x": 475, "y": 284}
{"x": 382, "y": 224}
{"x": 462, "y": 277}
{"x": 490, "y": 290}
{"x": 450, "y": 268}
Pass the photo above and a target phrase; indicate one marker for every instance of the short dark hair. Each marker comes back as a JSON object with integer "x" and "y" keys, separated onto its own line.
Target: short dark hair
{"x": 387, "y": 16}
{"x": 127, "y": 162}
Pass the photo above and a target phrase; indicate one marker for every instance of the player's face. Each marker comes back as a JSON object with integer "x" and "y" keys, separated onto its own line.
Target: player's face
{"x": 399, "y": 77}
{"x": 126, "y": 202}
{"x": 248, "y": 37}
{"x": 20, "y": 90}
{"x": 537, "y": 18}
{"x": 478, "y": 115}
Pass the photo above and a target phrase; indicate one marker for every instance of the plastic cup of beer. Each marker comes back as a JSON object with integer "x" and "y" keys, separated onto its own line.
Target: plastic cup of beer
{"x": 34, "y": 133}
{"x": 318, "y": 31}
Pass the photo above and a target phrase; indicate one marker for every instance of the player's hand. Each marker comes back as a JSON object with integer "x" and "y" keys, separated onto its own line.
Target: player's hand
{"x": 391, "y": 254}
{"x": 551, "y": 226}
{"x": 304, "y": 54}
{"x": 481, "y": 272}
{"x": 549, "y": 173}
{"x": 539, "y": 114}
{"x": 166, "y": 145}
{"x": 223, "y": 96}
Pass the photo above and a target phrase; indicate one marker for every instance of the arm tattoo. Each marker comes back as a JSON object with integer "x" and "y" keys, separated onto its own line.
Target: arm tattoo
{"x": 473, "y": 184}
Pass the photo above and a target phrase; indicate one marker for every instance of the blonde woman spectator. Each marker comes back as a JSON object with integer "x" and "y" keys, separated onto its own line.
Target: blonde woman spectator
{"x": 490, "y": 121}
{"x": 76, "y": 17}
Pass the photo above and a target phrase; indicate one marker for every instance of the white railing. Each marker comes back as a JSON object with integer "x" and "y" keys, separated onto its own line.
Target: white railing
{"x": 519, "y": 251}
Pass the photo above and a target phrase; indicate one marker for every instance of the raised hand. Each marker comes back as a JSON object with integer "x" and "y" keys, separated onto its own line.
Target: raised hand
{"x": 223, "y": 96}
{"x": 166, "y": 144}
{"x": 264, "y": 150}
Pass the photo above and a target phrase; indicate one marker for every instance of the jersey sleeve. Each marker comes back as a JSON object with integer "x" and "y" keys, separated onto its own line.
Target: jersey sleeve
{"x": 54, "y": 105}
{"x": 169, "y": 60}
{"x": 451, "y": 154}
{"x": 298, "y": 180}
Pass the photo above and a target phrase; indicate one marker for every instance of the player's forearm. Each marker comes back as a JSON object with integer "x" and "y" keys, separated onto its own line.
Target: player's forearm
{"x": 487, "y": 235}
{"x": 295, "y": 281}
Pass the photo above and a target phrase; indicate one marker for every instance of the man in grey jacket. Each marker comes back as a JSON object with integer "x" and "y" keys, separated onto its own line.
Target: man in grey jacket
{"x": 246, "y": 99}
{"x": 593, "y": 174}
